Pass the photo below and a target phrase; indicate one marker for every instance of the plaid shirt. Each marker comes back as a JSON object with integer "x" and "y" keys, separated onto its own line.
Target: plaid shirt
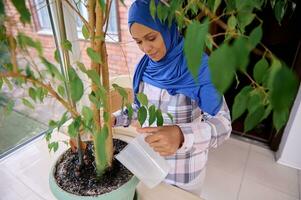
{"x": 201, "y": 131}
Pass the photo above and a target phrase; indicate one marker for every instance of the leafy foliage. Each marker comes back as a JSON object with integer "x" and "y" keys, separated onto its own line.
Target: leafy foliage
{"x": 272, "y": 88}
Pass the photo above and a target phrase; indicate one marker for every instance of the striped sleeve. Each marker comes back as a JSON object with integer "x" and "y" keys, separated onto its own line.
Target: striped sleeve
{"x": 206, "y": 131}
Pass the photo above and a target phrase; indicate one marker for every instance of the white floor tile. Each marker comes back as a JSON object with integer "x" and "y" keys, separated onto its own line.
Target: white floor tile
{"x": 230, "y": 157}
{"x": 220, "y": 185}
{"x": 31, "y": 166}
{"x": 9, "y": 193}
{"x": 252, "y": 190}
{"x": 263, "y": 151}
{"x": 262, "y": 168}
{"x": 300, "y": 184}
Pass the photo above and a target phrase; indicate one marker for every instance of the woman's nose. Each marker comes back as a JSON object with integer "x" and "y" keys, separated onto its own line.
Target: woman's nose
{"x": 147, "y": 48}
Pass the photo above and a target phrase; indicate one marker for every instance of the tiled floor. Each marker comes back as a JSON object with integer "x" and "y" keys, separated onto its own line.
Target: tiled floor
{"x": 237, "y": 170}
{"x": 244, "y": 171}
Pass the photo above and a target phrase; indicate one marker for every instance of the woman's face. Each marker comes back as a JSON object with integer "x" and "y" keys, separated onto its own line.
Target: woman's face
{"x": 149, "y": 41}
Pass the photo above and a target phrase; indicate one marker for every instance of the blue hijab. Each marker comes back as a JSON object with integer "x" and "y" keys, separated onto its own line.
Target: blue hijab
{"x": 171, "y": 72}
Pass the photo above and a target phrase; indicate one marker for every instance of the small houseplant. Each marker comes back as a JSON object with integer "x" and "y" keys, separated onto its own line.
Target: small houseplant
{"x": 259, "y": 99}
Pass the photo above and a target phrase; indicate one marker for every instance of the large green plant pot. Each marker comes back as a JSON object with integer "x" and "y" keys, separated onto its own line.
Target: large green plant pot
{"x": 125, "y": 192}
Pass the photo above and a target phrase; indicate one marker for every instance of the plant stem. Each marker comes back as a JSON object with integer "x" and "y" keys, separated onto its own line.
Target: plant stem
{"x": 48, "y": 87}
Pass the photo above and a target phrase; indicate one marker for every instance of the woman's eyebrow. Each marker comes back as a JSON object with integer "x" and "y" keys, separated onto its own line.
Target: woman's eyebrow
{"x": 145, "y": 36}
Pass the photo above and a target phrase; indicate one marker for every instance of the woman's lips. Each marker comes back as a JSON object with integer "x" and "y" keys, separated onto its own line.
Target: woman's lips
{"x": 153, "y": 55}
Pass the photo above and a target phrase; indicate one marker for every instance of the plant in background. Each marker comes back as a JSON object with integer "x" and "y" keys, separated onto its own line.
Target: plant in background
{"x": 273, "y": 86}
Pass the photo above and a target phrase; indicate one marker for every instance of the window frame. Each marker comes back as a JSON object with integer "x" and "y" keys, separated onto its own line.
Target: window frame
{"x": 114, "y": 37}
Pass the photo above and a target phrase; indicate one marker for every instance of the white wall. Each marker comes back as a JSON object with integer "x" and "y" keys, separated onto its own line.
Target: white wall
{"x": 289, "y": 152}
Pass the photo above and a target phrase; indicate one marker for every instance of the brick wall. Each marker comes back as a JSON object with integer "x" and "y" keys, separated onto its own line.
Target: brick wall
{"x": 122, "y": 55}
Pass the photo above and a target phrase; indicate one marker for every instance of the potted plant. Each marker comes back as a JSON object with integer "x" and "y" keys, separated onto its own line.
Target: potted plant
{"x": 259, "y": 99}
{"x": 92, "y": 163}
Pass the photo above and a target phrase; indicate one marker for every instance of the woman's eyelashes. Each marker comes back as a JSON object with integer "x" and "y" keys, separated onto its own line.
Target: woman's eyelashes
{"x": 151, "y": 39}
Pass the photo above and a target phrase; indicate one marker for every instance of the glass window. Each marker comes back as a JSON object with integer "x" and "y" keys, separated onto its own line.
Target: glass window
{"x": 43, "y": 17}
{"x": 44, "y": 21}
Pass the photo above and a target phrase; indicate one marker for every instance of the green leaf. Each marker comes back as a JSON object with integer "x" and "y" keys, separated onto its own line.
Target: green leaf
{"x": 87, "y": 114}
{"x": 232, "y": 22}
{"x": 231, "y": 5}
{"x": 244, "y": 19}
{"x": 275, "y": 67}
{"x": 57, "y": 56}
{"x": 256, "y": 98}
{"x": 20, "y": 5}
{"x": 152, "y": 114}
{"x": 85, "y": 32}
{"x": 130, "y": 110}
{"x": 142, "y": 98}
{"x": 8, "y": 83}
{"x": 162, "y": 13}
{"x": 214, "y": 4}
{"x": 222, "y": 66}
{"x": 245, "y": 5}
{"x": 94, "y": 76}
{"x": 159, "y": 117}
{"x": 283, "y": 89}
{"x": 29, "y": 72}
{"x": 24, "y": 41}
{"x": 27, "y": 103}
{"x": 52, "y": 124}
{"x": 142, "y": 113}
{"x": 280, "y": 118}
{"x": 240, "y": 102}
{"x": 66, "y": 45}
{"x": 152, "y": 8}
{"x": 81, "y": 66}
{"x": 73, "y": 128}
{"x": 94, "y": 56}
{"x": 101, "y": 94}
{"x": 170, "y": 117}
{"x": 2, "y": 8}
{"x": 267, "y": 111}
{"x": 260, "y": 69}
{"x": 52, "y": 69}
{"x": 279, "y": 10}
{"x": 241, "y": 53}
{"x": 194, "y": 45}
{"x": 253, "y": 118}
{"x": 95, "y": 101}
{"x": 48, "y": 134}
{"x": 209, "y": 42}
{"x": 61, "y": 90}
{"x": 32, "y": 93}
{"x": 9, "y": 107}
{"x": 41, "y": 93}
{"x": 53, "y": 146}
{"x": 255, "y": 36}
{"x": 76, "y": 85}
{"x": 121, "y": 91}
{"x": 62, "y": 121}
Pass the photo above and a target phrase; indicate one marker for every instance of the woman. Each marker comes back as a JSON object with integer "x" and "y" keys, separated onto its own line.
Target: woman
{"x": 201, "y": 118}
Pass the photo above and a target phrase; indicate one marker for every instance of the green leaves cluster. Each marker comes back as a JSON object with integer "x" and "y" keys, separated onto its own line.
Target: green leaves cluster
{"x": 272, "y": 94}
{"x": 154, "y": 114}
{"x": 231, "y": 57}
{"x": 125, "y": 100}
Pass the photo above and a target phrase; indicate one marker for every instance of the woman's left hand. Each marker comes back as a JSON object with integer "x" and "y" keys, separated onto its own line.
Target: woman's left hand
{"x": 164, "y": 139}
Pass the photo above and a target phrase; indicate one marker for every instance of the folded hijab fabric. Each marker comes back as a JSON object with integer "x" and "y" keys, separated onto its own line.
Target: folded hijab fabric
{"x": 171, "y": 72}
